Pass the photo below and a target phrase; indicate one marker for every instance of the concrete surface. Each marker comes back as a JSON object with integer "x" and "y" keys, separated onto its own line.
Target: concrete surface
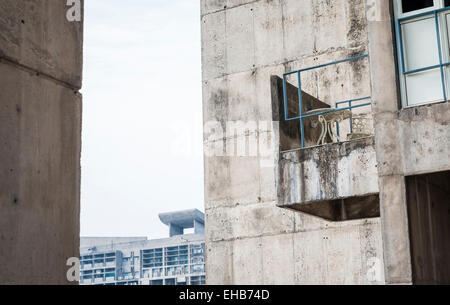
{"x": 249, "y": 239}
{"x": 40, "y": 136}
{"x": 329, "y": 172}
{"x": 408, "y": 141}
{"x": 37, "y": 35}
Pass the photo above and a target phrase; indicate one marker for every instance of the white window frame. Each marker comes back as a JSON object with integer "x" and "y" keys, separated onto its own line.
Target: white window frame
{"x": 444, "y": 18}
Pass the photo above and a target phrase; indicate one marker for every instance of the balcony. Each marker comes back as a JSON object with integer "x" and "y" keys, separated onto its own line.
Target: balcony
{"x": 326, "y": 164}
{"x": 336, "y": 181}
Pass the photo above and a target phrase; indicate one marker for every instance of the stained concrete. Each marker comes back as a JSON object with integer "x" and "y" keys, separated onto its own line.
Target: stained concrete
{"x": 243, "y": 44}
{"x": 329, "y": 172}
{"x": 409, "y": 142}
{"x": 249, "y": 239}
{"x": 37, "y": 35}
{"x": 40, "y": 136}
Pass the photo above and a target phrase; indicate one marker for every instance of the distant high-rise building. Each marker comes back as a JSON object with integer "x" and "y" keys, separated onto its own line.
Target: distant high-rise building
{"x": 177, "y": 260}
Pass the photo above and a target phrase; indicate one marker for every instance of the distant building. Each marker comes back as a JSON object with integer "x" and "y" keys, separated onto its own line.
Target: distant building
{"x": 177, "y": 260}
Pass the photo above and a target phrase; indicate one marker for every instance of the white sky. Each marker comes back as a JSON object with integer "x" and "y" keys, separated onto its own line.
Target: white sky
{"x": 142, "y": 126}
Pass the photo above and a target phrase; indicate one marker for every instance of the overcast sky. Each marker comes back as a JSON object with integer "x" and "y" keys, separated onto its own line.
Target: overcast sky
{"x": 142, "y": 137}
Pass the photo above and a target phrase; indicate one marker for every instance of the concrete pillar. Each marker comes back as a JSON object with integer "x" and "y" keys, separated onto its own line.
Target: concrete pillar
{"x": 199, "y": 227}
{"x": 175, "y": 230}
{"x": 40, "y": 139}
{"x": 385, "y": 108}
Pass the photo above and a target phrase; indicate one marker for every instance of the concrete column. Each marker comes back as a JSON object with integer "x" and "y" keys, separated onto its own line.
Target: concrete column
{"x": 394, "y": 219}
{"x": 40, "y": 139}
{"x": 175, "y": 230}
{"x": 199, "y": 228}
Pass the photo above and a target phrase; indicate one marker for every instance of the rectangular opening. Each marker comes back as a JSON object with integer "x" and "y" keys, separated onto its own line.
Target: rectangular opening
{"x": 290, "y": 130}
{"x": 414, "y": 5}
{"x": 313, "y": 108}
{"x": 428, "y": 202}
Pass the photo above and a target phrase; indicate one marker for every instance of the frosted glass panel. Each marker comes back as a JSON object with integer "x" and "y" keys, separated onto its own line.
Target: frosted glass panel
{"x": 424, "y": 87}
{"x": 420, "y": 44}
{"x": 447, "y": 23}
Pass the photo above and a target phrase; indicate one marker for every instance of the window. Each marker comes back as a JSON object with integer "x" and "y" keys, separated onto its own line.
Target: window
{"x": 423, "y": 40}
{"x": 409, "y": 6}
{"x": 197, "y": 268}
{"x": 198, "y": 280}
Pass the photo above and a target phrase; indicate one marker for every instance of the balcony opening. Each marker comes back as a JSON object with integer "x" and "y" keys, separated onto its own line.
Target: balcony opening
{"x": 322, "y": 104}
{"x": 428, "y": 202}
{"x": 326, "y": 165}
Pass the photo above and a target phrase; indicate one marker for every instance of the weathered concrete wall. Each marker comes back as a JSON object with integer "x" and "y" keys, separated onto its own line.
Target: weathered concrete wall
{"x": 329, "y": 172}
{"x": 40, "y": 136}
{"x": 408, "y": 142}
{"x": 249, "y": 240}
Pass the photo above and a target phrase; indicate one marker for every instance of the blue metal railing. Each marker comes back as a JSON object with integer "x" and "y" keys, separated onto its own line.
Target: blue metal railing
{"x": 350, "y": 104}
{"x": 441, "y": 64}
{"x": 302, "y": 116}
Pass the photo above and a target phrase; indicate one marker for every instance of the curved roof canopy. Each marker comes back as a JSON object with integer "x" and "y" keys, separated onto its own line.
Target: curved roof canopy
{"x": 183, "y": 219}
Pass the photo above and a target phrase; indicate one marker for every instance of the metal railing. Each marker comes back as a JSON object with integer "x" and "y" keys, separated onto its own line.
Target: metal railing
{"x": 301, "y": 115}
{"x": 441, "y": 64}
{"x": 350, "y": 106}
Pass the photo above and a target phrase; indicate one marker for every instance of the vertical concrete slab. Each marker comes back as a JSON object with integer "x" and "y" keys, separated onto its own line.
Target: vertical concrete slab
{"x": 40, "y": 128}
{"x": 247, "y": 261}
{"x": 278, "y": 260}
{"x": 240, "y": 38}
{"x": 40, "y": 136}
{"x": 394, "y": 227}
{"x": 310, "y": 257}
{"x": 214, "y": 54}
{"x": 219, "y": 269}
{"x": 268, "y": 23}
{"x": 344, "y": 256}
{"x": 297, "y": 28}
{"x": 329, "y": 12}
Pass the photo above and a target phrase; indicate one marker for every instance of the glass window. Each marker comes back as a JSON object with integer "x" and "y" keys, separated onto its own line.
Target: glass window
{"x": 420, "y": 44}
{"x": 198, "y": 280}
{"x": 198, "y": 268}
{"x": 423, "y": 51}
{"x": 414, "y": 5}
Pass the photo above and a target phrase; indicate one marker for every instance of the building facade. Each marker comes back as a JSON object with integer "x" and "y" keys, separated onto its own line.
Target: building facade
{"x": 299, "y": 192}
{"x": 177, "y": 260}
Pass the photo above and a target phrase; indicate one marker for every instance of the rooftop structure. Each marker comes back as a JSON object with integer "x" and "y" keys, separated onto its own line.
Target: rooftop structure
{"x": 178, "y": 221}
